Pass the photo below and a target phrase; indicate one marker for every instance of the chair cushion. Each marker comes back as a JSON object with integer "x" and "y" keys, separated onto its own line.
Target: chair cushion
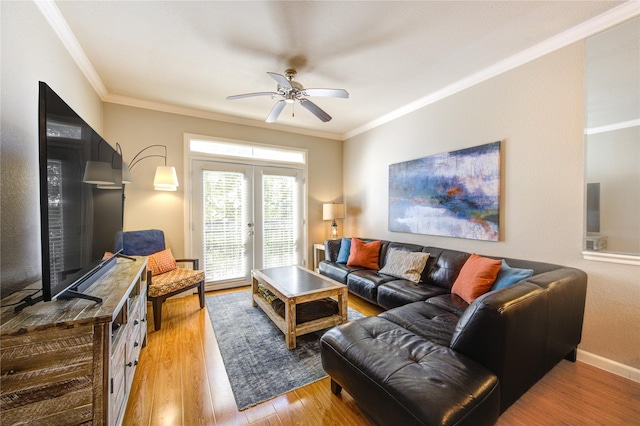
{"x": 161, "y": 262}
{"x": 174, "y": 280}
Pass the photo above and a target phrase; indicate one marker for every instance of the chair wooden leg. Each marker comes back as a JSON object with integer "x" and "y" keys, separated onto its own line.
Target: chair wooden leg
{"x": 201, "y": 294}
{"x": 157, "y": 312}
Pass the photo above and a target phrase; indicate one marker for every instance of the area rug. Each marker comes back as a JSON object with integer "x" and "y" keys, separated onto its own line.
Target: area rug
{"x": 258, "y": 363}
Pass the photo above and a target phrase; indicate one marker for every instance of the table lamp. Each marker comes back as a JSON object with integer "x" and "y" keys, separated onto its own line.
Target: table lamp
{"x": 333, "y": 211}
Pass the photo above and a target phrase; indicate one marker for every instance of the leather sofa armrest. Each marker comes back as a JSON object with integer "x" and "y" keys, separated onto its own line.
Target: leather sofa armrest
{"x": 507, "y": 333}
{"x": 331, "y": 250}
{"x": 521, "y": 332}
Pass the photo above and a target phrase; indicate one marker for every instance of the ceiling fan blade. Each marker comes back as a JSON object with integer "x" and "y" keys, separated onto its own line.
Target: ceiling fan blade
{"x": 281, "y": 79}
{"x": 315, "y": 110}
{"x": 249, "y": 95}
{"x": 275, "y": 112}
{"x": 332, "y": 93}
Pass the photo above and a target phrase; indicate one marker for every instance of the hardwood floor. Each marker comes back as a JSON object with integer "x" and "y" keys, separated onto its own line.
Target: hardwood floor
{"x": 181, "y": 380}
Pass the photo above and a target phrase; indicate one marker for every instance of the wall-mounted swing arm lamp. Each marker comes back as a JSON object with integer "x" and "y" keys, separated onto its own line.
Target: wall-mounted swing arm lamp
{"x": 166, "y": 178}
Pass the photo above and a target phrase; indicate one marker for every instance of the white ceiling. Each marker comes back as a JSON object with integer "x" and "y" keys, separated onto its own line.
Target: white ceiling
{"x": 390, "y": 56}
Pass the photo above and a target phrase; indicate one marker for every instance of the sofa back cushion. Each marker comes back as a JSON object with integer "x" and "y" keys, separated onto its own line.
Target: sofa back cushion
{"x": 443, "y": 266}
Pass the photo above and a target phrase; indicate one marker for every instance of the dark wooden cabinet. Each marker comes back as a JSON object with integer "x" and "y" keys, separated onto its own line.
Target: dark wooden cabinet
{"x": 73, "y": 361}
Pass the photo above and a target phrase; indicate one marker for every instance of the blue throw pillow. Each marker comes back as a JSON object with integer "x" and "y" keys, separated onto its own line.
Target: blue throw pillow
{"x": 345, "y": 250}
{"x": 508, "y": 276}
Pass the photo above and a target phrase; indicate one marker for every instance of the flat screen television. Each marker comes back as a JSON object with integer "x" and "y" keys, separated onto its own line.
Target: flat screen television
{"x": 79, "y": 220}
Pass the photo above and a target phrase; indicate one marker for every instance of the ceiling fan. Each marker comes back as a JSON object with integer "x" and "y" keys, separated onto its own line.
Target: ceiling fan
{"x": 292, "y": 91}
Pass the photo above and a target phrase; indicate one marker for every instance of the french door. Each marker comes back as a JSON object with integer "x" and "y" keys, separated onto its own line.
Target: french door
{"x": 244, "y": 217}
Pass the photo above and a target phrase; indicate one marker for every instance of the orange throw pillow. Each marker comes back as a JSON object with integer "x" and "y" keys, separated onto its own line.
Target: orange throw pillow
{"x": 161, "y": 262}
{"x": 365, "y": 254}
{"x": 476, "y": 277}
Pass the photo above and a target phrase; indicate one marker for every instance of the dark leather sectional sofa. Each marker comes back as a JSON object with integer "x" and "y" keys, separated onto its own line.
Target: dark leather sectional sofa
{"x": 433, "y": 359}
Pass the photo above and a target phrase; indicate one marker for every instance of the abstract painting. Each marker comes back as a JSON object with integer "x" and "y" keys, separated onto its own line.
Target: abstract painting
{"x": 454, "y": 194}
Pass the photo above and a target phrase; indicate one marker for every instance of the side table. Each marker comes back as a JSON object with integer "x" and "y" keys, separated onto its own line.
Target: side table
{"x": 318, "y": 255}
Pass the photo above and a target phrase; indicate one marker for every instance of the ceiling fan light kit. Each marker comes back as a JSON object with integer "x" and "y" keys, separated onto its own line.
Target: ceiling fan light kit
{"x": 292, "y": 91}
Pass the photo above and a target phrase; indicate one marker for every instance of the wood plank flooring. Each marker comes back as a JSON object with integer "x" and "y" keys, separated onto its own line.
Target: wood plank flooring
{"x": 181, "y": 380}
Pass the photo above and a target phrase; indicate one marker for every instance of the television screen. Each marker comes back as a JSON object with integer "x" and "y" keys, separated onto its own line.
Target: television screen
{"x": 79, "y": 220}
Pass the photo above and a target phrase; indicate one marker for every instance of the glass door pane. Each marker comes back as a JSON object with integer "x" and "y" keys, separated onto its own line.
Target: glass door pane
{"x": 226, "y": 200}
{"x": 223, "y": 228}
{"x": 279, "y": 220}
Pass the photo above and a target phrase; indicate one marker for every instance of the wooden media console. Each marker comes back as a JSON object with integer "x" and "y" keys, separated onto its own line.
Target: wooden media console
{"x": 73, "y": 361}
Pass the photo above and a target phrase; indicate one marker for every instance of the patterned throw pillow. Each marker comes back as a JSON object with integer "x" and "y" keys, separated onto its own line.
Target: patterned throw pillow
{"x": 405, "y": 264}
{"x": 161, "y": 262}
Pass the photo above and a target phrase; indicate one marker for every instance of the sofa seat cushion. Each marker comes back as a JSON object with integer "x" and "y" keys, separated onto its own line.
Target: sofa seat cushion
{"x": 450, "y": 303}
{"x": 336, "y": 271}
{"x": 426, "y": 320}
{"x": 392, "y": 294}
{"x": 399, "y": 377}
{"x": 365, "y": 283}
{"x": 174, "y": 280}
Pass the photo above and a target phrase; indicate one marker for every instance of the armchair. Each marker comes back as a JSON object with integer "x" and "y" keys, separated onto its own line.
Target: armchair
{"x": 164, "y": 277}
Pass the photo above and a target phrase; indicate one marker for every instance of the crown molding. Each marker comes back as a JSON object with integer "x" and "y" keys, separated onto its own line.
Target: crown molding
{"x": 54, "y": 17}
{"x": 600, "y": 23}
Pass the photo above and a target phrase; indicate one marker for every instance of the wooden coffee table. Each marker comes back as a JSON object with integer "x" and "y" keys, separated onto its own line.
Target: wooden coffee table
{"x": 294, "y": 285}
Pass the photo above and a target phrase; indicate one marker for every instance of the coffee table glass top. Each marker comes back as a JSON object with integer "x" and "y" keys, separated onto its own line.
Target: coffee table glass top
{"x": 292, "y": 281}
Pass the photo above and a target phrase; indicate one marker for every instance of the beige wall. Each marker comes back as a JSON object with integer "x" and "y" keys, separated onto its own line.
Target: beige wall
{"x": 538, "y": 111}
{"x": 135, "y": 128}
{"x": 31, "y": 52}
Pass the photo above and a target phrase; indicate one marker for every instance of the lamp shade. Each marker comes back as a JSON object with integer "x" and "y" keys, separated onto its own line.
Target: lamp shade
{"x": 98, "y": 173}
{"x": 332, "y": 211}
{"x": 116, "y": 185}
{"x": 126, "y": 173}
{"x": 166, "y": 179}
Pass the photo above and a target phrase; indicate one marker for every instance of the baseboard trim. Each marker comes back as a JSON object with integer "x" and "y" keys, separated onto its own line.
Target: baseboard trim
{"x": 609, "y": 365}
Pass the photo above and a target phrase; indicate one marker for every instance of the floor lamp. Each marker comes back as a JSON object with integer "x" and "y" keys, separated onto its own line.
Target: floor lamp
{"x": 165, "y": 178}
